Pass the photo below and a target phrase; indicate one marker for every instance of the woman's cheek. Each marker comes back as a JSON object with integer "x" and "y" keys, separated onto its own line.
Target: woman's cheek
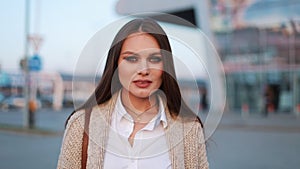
{"x": 125, "y": 76}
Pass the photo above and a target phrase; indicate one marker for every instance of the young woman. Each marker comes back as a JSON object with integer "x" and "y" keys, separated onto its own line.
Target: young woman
{"x": 136, "y": 117}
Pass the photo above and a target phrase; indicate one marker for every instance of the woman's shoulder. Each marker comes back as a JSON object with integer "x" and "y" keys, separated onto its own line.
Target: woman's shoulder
{"x": 195, "y": 123}
{"x": 193, "y": 127}
{"x": 79, "y": 115}
{"x": 76, "y": 117}
{"x": 98, "y": 111}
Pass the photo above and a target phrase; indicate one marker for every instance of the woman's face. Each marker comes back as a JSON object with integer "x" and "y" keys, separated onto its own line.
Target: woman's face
{"x": 140, "y": 65}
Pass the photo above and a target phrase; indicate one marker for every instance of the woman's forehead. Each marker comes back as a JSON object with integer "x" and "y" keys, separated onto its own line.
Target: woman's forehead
{"x": 140, "y": 41}
{"x": 140, "y": 35}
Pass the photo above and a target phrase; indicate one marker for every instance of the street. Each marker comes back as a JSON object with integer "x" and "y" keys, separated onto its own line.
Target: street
{"x": 238, "y": 149}
{"x": 255, "y": 142}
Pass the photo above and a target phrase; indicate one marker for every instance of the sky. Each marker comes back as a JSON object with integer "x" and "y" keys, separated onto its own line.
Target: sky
{"x": 68, "y": 26}
{"x": 65, "y": 27}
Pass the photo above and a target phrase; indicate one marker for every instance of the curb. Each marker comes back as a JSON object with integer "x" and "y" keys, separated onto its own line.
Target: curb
{"x": 34, "y": 131}
{"x": 259, "y": 128}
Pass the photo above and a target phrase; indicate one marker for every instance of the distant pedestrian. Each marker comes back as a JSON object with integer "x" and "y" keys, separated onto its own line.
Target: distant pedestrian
{"x": 268, "y": 100}
{"x": 32, "y": 109}
{"x": 203, "y": 101}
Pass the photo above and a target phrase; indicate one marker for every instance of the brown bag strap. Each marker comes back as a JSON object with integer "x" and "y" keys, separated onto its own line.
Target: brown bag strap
{"x": 85, "y": 138}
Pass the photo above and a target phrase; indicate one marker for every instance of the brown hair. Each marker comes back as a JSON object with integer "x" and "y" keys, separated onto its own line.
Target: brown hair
{"x": 109, "y": 84}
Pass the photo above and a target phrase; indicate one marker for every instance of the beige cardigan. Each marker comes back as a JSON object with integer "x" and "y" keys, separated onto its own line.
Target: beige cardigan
{"x": 185, "y": 140}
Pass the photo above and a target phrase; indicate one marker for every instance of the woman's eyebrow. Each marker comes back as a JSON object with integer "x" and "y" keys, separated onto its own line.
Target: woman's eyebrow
{"x": 128, "y": 53}
{"x": 156, "y": 53}
{"x": 133, "y": 53}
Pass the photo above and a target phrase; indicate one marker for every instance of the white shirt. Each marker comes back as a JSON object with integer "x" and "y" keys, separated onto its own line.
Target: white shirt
{"x": 149, "y": 150}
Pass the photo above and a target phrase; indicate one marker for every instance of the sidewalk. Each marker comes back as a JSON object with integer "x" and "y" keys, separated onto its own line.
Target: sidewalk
{"x": 54, "y": 121}
{"x": 47, "y": 121}
{"x": 273, "y": 122}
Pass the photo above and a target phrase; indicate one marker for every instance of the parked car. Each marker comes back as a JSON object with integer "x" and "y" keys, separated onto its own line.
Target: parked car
{"x": 15, "y": 102}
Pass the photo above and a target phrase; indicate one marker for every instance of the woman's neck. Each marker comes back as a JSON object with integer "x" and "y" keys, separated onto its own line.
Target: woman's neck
{"x": 136, "y": 103}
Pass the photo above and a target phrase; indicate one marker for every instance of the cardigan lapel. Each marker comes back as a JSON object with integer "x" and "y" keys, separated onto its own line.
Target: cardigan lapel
{"x": 182, "y": 140}
{"x": 100, "y": 122}
{"x": 175, "y": 134}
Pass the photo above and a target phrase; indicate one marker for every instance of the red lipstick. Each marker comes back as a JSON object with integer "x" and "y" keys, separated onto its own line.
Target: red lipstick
{"x": 142, "y": 83}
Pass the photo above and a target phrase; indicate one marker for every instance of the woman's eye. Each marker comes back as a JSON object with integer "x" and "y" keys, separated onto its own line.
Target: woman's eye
{"x": 131, "y": 58}
{"x": 155, "y": 59}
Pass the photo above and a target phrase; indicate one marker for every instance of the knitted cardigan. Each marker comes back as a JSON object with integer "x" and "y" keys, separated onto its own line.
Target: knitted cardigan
{"x": 185, "y": 140}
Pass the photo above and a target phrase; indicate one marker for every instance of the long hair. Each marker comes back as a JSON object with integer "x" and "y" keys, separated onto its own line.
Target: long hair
{"x": 109, "y": 84}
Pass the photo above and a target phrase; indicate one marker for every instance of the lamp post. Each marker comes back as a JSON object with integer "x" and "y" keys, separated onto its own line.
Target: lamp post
{"x": 26, "y": 88}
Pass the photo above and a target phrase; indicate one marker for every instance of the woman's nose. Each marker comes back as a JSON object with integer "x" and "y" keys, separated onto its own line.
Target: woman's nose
{"x": 143, "y": 68}
{"x": 143, "y": 72}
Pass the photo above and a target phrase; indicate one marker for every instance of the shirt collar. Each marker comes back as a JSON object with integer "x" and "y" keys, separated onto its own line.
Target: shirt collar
{"x": 121, "y": 111}
{"x": 162, "y": 112}
{"x": 160, "y": 117}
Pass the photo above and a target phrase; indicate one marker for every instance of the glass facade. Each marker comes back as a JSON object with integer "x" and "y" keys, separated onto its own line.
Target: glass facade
{"x": 261, "y": 61}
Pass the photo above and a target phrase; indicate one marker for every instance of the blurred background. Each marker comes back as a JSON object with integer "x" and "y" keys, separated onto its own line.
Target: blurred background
{"x": 257, "y": 83}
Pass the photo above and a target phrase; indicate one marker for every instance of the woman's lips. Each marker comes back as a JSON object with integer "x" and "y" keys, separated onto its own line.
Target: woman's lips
{"x": 142, "y": 83}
